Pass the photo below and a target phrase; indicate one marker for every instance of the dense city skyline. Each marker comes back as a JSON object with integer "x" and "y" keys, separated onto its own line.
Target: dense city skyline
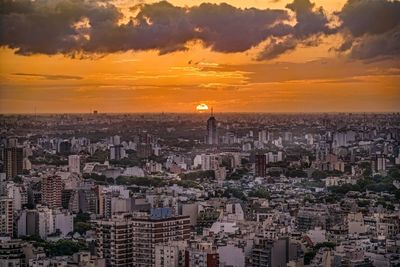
{"x": 238, "y": 56}
{"x": 204, "y": 190}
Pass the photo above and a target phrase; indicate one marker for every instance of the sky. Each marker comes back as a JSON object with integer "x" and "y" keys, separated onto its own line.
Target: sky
{"x": 75, "y": 56}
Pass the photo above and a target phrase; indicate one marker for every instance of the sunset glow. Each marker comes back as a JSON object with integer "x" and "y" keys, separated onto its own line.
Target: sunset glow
{"x": 202, "y": 107}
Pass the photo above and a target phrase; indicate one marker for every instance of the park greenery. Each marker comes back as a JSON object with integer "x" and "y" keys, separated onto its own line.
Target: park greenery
{"x": 82, "y": 223}
{"x": 198, "y": 175}
{"x": 260, "y": 193}
{"x": 186, "y": 182}
{"x": 62, "y": 247}
{"x": 237, "y": 174}
{"x": 49, "y": 159}
{"x": 376, "y": 183}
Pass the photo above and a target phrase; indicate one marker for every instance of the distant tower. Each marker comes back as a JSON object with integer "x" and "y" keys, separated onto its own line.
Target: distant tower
{"x": 212, "y": 135}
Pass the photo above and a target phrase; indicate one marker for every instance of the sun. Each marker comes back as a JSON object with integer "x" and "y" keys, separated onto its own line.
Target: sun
{"x": 202, "y": 107}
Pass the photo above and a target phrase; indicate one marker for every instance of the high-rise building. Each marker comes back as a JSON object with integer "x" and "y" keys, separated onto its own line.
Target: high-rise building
{"x": 380, "y": 163}
{"x": 44, "y": 222}
{"x": 144, "y": 150}
{"x": 261, "y": 165}
{"x": 84, "y": 200}
{"x": 212, "y": 134}
{"x": 117, "y": 152}
{"x": 130, "y": 239}
{"x": 287, "y": 136}
{"x": 115, "y": 140}
{"x": 209, "y": 162}
{"x": 114, "y": 241}
{"x": 13, "y": 161}
{"x": 12, "y": 142}
{"x": 74, "y": 163}
{"x": 6, "y": 216}
{"x": 263, "y": 136}
{"x": 52, "y": 187}
{"x": 64, "y": 147}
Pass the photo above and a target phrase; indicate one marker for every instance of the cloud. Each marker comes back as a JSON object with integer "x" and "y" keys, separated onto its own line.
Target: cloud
{"x": 371, "y": 29}
{"x": 47, "y": 26}
{"x": 324, "y": 69}
{"x": 276, "y": 48}
{"x": 311, "y": 23}
{"x": 49, "y": 76}
{"x": 76, "y": 26}
{"x": 381, "y": 46}
{"x": 225, "y": 28}
{"x": 87, "y": 28}
{"x": 370, "y": 16}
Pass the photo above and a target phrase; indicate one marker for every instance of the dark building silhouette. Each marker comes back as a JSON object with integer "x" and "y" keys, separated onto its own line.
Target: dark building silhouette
{"x": 261, "y": 163}
{"x": 13, "y": 161}
{"x": 64, "y": 147}
{"x": 212, "y": 135}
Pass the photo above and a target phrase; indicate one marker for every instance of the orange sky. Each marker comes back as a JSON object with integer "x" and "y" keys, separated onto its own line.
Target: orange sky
{"x": 307, "y": 79}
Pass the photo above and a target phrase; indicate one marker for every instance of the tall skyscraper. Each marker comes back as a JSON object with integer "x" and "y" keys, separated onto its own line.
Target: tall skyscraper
{"x": 52, "y": 187}
{"x": 260, "y": 168}
{"x": 13, "y": 161}
{"x": 74, "y": 163}
{"x": 212, "y": 135}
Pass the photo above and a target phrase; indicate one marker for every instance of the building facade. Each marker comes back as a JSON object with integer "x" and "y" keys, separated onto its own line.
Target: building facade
{"x": 131, "y": 239}
{"x": 13, "y": 161}
{"x": 52, "y": 187}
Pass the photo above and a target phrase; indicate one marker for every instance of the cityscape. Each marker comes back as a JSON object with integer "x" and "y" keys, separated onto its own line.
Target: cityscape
{"x": 202, "y": 133}
{"x": 203, "y": 189}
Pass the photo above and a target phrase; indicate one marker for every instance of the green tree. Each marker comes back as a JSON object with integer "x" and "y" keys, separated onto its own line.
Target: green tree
{"x": 64, "y": 247}
{"x": 260, "y": 193}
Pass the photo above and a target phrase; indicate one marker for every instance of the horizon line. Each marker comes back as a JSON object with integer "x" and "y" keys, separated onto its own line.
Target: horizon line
{"x": 198, "y": 113}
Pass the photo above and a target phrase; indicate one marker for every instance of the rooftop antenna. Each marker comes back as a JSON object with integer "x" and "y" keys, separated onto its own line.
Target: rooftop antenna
{"x": 212, "y": 111}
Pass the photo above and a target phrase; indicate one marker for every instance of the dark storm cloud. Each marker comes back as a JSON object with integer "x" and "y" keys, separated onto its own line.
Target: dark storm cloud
{"x": 373, "y": 47}
{"x": 370, "y": 16}
{"x": 50, "y": 27}
{"x": 228, "y": 29}
{"x": 371, "y": 29}
{"x": 46, "y": 26}
{"x": 311, "y": 23}
{"x": 86, "y": 27}
{"x": 276, "y": 48}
